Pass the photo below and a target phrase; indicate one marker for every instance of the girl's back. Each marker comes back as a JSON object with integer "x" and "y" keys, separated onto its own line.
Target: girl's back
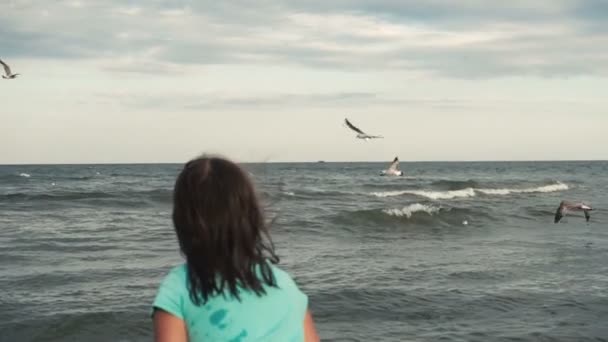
{"x": 276, "y": 316}
{"x": 229, "y": 289}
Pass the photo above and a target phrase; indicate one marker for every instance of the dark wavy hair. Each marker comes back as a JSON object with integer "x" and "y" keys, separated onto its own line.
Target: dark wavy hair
{"x": 221, "y": 230}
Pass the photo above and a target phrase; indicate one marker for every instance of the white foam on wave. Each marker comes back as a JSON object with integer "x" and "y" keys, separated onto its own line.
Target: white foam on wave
{"x": 289, "y": 193}
{"x": 26, "y": 175}
{"x": 395, "y": 178}
{"x": 409, "y": 210}
{"x": 471, "y": 192}
{"x": 541, "y": 189}
{"x": 468, "y": 192}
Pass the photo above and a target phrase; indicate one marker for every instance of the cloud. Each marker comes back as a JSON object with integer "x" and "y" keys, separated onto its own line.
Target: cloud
{"x": 468, "y": 39}
{"x": 215, "y": 101}
{"x": 192, "y": 101}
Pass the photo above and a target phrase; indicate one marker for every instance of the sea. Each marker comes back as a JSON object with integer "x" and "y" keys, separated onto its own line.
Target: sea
{"x": 452, "y": 251}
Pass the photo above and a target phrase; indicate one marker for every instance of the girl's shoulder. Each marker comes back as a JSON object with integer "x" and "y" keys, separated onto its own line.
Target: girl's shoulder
{"x": 176, "y": 279}
{"x": 285, "y": 282}
{"x": 172, "y": 291}
{"x": 280, "y": 275}
{"x": 177, "y": 274}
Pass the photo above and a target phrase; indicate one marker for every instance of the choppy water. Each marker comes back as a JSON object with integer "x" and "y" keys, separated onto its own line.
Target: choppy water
{"x": 452, "y": 252}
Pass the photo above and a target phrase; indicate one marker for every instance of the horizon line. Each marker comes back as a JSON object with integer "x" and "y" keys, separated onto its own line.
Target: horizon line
{"x": 324, "y": 162}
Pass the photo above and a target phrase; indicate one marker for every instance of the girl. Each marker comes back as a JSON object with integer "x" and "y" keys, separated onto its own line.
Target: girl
{"x": 229, "y": 289}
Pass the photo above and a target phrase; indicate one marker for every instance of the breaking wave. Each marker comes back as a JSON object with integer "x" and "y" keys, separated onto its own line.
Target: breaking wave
{"x": 419, "y": 214}
{"x": 411, "y": 209}
{"x": 435, "y": 195}
{"x": 471, "y": 192}
{"x": 547, "y": 188}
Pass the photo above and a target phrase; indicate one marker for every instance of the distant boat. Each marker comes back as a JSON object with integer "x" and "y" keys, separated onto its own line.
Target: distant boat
{"x": 321, "y": 161}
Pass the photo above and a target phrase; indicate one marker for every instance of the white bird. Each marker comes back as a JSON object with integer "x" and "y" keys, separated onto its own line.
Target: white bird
{"x": 393, "y": 169}
{"x": 565, "y": 207}
{"x": 360, "y": 133}
{"x": 7, "y": 71}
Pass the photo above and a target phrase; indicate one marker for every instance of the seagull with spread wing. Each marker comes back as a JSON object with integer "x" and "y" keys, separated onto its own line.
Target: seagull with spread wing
{"x": 7, "y": 71}
{"x": 393, "y": 169}
{"x": 360, "y": 133}
{"x": 565, "y": 207}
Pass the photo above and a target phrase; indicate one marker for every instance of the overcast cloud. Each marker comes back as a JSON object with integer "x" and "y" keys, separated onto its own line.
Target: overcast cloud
{"x": 445, "y": 66}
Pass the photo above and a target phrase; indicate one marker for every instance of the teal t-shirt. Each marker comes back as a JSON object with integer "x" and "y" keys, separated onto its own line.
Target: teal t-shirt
{"x": 276, "y": 316}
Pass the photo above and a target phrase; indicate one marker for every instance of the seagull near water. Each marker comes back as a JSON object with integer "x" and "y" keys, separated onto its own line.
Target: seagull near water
{"x": 360, "y": 133}
{"x": 393, "y": 169}
{"x": 565, "y": 207}
{"x": 7, "y": 70}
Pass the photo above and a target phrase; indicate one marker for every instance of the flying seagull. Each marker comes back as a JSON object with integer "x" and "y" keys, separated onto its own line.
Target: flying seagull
{"x": 565, "y": 207}
{"x": 360, "y": 133}
{"x": 393, "y": 169}
{"x": 7, "y": 71}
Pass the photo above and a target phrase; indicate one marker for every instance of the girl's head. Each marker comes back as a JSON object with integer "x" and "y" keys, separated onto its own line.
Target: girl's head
{"x": 221, "y": 229}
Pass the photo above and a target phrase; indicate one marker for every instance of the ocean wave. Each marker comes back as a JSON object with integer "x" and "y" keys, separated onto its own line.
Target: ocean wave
{"x": 157, "y": 195}
{"x": 318, "y": 193}
{"x": 411, "y": 209}
{"x": 454, "y": 184}
{"x": 306, "y": 194}
{"x": 21, "y": 196}
{"x": 471, "y": 192}
{"x": 541, "y": 189}
{"x": 435, "y": 195}
{"x": 13, "y": 177}
{"x": 77, "y": 178}
{"x": 413, "y": 214}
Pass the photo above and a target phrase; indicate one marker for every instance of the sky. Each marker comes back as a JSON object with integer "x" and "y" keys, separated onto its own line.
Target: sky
{"x": 118, "y": 81}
